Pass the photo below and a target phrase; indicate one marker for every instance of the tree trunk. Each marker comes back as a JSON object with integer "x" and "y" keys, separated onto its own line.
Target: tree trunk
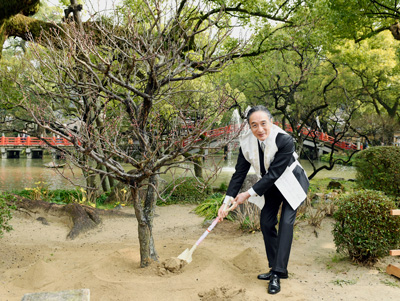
{"x": 3, "y": 35}
{"x": 90, "y": 178}
{"x": 198, "y": 167}
{"x": 149, "y": 208}
{"x": 77, "y": 15}
{"x": 104, "y": 180}
{"x": 144, "y": 230}
{"x": 197, "y": 163}
{"x": 111, "y": 180}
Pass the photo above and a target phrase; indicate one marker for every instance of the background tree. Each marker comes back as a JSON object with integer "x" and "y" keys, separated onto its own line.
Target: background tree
{"x": 298, "y": 82}
{"x": 360, "y": 19}
{"x": 370, "y": 71}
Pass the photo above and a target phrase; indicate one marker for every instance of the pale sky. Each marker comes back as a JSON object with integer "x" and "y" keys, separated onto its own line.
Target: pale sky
{"x": 98, "y": 5}
{"x": 104, "y": 5}
{"x": 91, "y": 5}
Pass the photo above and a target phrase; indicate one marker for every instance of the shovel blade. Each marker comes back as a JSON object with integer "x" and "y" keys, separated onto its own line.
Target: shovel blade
{"x": 186, "y": 256}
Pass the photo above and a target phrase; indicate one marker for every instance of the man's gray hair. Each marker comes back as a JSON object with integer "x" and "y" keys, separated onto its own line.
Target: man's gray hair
{"x": 256, "y": 109}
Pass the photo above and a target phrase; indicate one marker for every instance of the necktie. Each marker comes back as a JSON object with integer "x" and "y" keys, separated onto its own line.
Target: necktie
{"x": 262, "y": 146}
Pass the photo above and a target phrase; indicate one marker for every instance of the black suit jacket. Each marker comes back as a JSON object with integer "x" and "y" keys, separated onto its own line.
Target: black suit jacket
{"x": 283, "y": 158}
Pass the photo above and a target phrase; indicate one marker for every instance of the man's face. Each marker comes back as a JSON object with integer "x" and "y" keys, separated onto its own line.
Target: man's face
{"x": 260, "y": 125}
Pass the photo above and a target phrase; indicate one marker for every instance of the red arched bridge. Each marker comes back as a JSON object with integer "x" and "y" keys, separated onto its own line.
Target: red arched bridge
{"x": 11, "y": 146}
{"x": 31, "y": 141}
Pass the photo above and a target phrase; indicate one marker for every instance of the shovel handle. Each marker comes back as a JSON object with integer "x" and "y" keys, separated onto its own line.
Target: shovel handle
{"x": 214, "y": 223}
{"x": 228, "y": 206}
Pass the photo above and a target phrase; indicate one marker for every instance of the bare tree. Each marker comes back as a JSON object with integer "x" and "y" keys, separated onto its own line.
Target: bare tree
{"x": 114, "y": 92}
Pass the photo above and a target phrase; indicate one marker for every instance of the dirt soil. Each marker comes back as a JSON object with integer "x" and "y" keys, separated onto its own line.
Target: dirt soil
{"x": 37, "y": 258}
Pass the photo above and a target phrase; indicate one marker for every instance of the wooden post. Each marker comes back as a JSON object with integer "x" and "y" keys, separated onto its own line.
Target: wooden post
{"x": 391, "y": 269}
{"x": 394, "y": 252}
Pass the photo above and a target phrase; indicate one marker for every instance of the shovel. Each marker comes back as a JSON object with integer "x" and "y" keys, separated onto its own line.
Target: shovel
{"x": 187, "y": 254}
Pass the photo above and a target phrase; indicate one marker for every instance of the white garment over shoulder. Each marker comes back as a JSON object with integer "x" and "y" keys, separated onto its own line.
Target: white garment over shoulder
{"x": 287, "y": 182}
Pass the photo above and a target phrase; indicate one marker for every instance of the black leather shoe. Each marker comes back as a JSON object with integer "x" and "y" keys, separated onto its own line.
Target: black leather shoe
{"x": 267, "y": 276}
{"x": 274, "y": 285}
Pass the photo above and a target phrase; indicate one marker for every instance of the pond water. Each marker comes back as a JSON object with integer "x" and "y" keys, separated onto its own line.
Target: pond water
{"x": 22, "y": 173}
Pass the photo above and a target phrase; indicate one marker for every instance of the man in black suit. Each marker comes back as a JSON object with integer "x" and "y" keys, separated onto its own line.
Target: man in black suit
{"x": 282, "y": 180}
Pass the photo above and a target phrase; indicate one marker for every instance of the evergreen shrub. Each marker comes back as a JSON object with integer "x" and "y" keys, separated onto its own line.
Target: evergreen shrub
{"x": 186, "y": 190}
{"x": 59, "y": 196}
{"x": 378, "y": 168}
{"x": 364, "y": 228}
{"x": 5, "y": 212}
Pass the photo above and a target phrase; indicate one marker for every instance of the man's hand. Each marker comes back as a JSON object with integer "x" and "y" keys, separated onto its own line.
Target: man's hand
{"x": 240, "y": 199}
{"x": 222, "y": 213}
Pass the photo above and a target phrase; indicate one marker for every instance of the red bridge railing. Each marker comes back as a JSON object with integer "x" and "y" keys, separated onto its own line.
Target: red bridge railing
{"x": 230, "y": 129}
{"x": 31, "y": 141}
{"x": 321, "y": 136}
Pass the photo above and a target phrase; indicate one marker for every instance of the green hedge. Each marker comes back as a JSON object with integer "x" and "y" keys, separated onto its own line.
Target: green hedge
{"x": 186, "y": 190}
{"x": 378, "y": 168}
{"x": 58, "y": 196}
{"x": 5, "y": 212}
{"x": 364, "y": 228}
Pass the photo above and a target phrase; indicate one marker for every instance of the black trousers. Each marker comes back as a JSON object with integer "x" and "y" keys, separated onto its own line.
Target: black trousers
{"x": 277, "y": 242}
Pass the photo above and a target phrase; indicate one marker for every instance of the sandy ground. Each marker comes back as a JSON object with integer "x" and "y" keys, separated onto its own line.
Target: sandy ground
{"x": 37, "y": 258}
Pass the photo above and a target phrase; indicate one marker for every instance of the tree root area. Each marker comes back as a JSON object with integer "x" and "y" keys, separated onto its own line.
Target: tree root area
{"x": 81, "y": 217}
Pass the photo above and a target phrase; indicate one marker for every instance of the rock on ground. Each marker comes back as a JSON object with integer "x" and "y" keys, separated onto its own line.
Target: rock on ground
{"x": 72, "y": 295}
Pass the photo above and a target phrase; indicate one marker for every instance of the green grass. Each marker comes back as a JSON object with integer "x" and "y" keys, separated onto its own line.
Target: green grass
{"x": 209, "y": 208}
{"x": 342, "y": 282}
{"x": 59, "y": 196}
{"x": 343, "y": 156}
{"x": 390, "y": 283}
{"x": 320, "y": 185}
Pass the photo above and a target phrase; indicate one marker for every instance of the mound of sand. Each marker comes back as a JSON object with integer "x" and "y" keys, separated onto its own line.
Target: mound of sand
{"x": 40, "y": 274}
{"x": 249, "y": 261}
{"x": 223, "y": 293}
